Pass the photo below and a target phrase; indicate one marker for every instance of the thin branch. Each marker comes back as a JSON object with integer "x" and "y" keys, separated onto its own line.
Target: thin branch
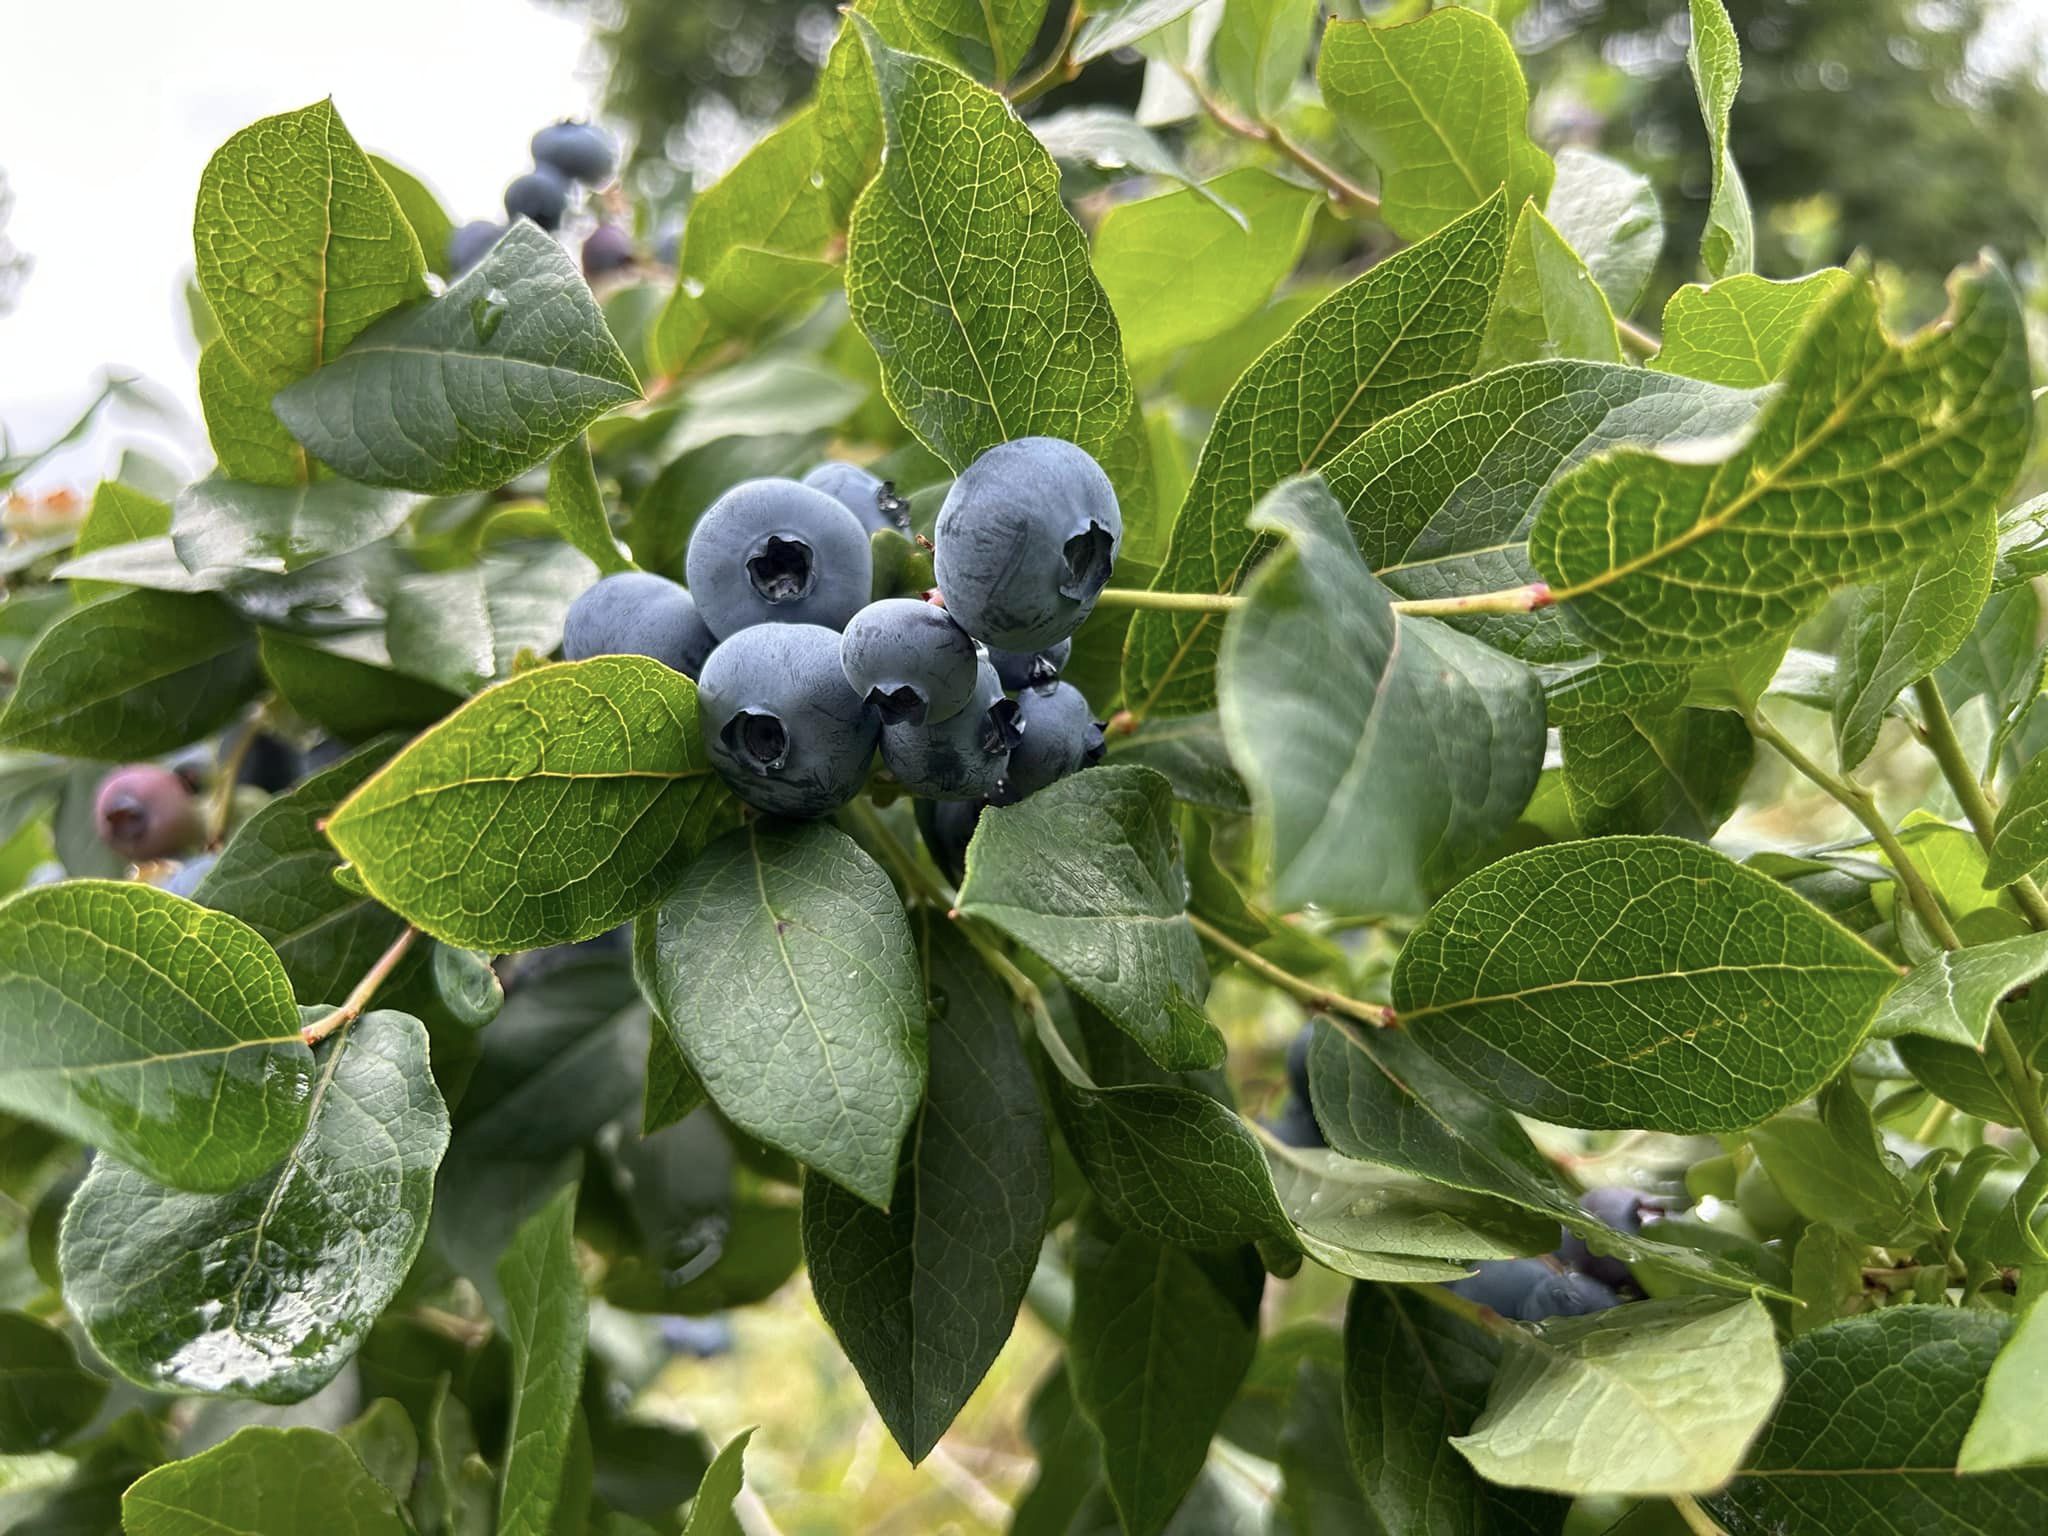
{"x": 1342, "y": 188}
{"x": 1636, "y": 339}
{"x": 1524, "y": 599}
{"x": 227, "y": 772}
{"x": 1322, "y": 998}
{"x": 1696, "y": 1519}
{"x": 1172, "y": 602}
{"x": 1938, "y": 731}
{"x": 353, "y": 1005}
{"x": 1057, "y": 70}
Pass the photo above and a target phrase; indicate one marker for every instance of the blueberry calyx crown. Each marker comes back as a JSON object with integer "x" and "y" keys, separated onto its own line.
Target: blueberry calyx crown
{"x": 904, "y": 704}
{"x": 1002, "y": 728}
{"x": 1089, "y": 555}
{"x": 782, "y": 570}
{"x": 757, "y": 739}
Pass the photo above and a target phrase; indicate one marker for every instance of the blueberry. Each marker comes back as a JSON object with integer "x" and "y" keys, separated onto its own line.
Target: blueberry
{"x": 1030, "y": 669}
{"x": 774, "y": 551}
{"x": 1297, "y": 1061}
{"x": 271, "y": 764}
{"x": 184, "y": 880}
{"x": 1612, "y": 1206}
{"x": 577, "y": 151}
{"x": 1295, "y": 1126}
{"x": 947, "y": 827}
{"x": 1566, "y": 1295}
{"x": 637, "y": 614}
{"x": 1025, "y": 542}
{"x": 466, "y": 247}
{"x": 1503, "y": 1284}
{"x": 1060, "y": 737}
{"x": 703, "y": 1337}
{"x": 606, "y": 248}
{"x": 146, "y": 812}
{"x": 782, "y": 727}
{"x": 961, "y": 758}
{"x": 540, "y": 195}
{"x": 910, "y": 660}
{"x": 873, "y": 501}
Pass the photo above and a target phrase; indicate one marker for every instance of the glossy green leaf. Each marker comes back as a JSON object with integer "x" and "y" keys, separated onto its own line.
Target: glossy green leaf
{"x": 1360, "y": 355}
{"x": 430, "y": 223}
{"x": 262, "y": 1481}
{"x": 1954, "y": 995}
{"x": 267, "y": 1290}
{"x": 1743, "y": 330}
{"x": 346, "y": 685}
{"x": 1676, "y": 991}
{"x": 462, "y": 628}
{"x": 1874, "y": 1418}
{"x": 1124, "y": 22}
{"x": 1714, "y": 58}
{"x": 467, "y": 390}
{"x": 922, "y": 1296}
{"x": 783, "y": 965}
{"x": 2007, "y": 1431}
{"x": 1663, "y": 1396}
{"x": 1874, "y": 456}
{"x": 1179, "y": 268}
{"x": 1674, "y": 771}
{"x": 250, "y": 444}
{"x": 132, "y": 675}
{"x": 546, "y": 810}
{"x": 1608, "y": 213}
{"x": 1159, "y": 1341}
{"x": 46, "y": 1396}
{"x": 546, "y": 1318}
{"x": 1258, "y": 51}
{"x": 154, "y": 1029}
{"x": 1385, "y": 755}
{"x": 218, "y": 522}
{"x": 1084, "y": 874}
{"x": 2019, "y": 838}
{"x": 1549, "y": 304}
{"x": 577, "y": 507}
{"x": 1440, "y": 105}
{"x": 711, "y": 1513}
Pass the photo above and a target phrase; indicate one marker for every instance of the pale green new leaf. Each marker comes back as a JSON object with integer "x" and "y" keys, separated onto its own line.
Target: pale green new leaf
{"x": 1401, "y": 332}
{"x": 430, "y": 223}
{"x": 263, "y": 1481}
{"x": 1833, "y": 1166}
{"x": 1676, "y": 990}
{"x": 1549, "y": 305}
{"x": 156, "y": 1030}
{"x": 1954, "y": 995}
{"x": 1873, "y": 456}
{"x": 1742, "y": 330}
{"x": 1110, "y": 139}
{"x": 1084, "y": 874}
{"x": 546, "y": 1320}
{"x": 2008, "y": 1430}
{"x": 222, "y": 523}
{"x": 1714, "y": 58}
{"x": 1258, "y": 51}
{"x": 248, "y": 440}
{"x": 466, "y": 391}
{"x": 711, "y": 1511}
{"x": 546, "y": 810}
{"x": 1659, "y": 1397}
{"x": 1384, "y": 754}
{"x": 577, "y": 507}
{"x": 1608, "y": 213}
{"x": 119, "y": 514}
{"x": 1440, "y": 105}
{"x": 267, "y": 1290}
{"x": 1124, "y": 22}
{"x": 783, "y": 966}
{"x": 2019, "y": 838}
{"x": 989, "y": 37}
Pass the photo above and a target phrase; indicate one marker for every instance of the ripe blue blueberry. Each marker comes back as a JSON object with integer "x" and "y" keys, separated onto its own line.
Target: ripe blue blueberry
{"x": 271, "y": 764}
{"x": 578, "y": 151}
{"x": 1030, "y": 669}
{"x": 147, "y": 812}
{"x": 637, "y": 614}
{"x": 776, "y": 552}
{"x": 1297, "y": 1061}
{"x": 873, "y": 501}
{"x": 1025, "y": 542}
{"x": 910, "y": 660}
{"x": 780, "y": 724}
{"x": 540, "y": 195}
{"x": 1503, "y": 1284}
{"x": 947, "y": 827}
{"x": 184, "y": 880}
{"x": 960, "y": 758}
{"x": 1061, "y": 737}
{"x": 1295, "y": 1126}
{"x": 1612, "y": 1206}
{"x": 607, "y": 248}
{"x": 1566, "y": 1295}
{"x": 466, "y": 247}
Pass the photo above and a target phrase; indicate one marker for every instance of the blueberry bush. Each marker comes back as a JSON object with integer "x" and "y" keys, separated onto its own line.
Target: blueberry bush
{"x": 643, "y": 771}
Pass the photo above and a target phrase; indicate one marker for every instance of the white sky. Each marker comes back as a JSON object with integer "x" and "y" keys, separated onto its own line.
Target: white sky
{"x": 110, "y": 109}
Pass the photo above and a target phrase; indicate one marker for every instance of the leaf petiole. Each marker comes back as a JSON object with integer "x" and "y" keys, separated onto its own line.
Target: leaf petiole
{"x": 1524, "y": 599}
{"x": 353, "y": 1005}
{"x": 1375, "y": 1014}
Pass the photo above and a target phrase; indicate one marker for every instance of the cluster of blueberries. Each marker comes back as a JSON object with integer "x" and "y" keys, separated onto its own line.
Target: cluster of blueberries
{"x": 801, "y": 678}
{"x": 565, "y": 155}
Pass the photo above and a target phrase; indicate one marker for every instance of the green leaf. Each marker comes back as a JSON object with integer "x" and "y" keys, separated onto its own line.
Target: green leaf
{"x": 430, "y": 223}
{"x": 249, "y": 442}
{"x": 1674, "y": 771}
{"x": 546, "y": 810}
{"x": 134, "y": 675}
{"x": 1549, "y": 305}
{"x": 1385, "y": 755}
{"x": 346, "y": 686}
{"x": 711, "y": 1512}
{"x": 1258, "y": 50}
{"x": 1343, "y": 1208}
{"x": 923, "y": 1296}
{"x": 546, "y": 1319}
{"x": 218, "y": 522}
{"x": 1833, "y": 1166}
{"x": 46, "y": 1396}
{"x": 119, "y": 514}
{"x": 384, "y": 1440}
{"x": 1159, "y": 1341}
{"x": 262, "y": 1481}
{"x": 1874, "y": 1418}
{"x": 462, "y": 628}
{"x": 1110, "y": 140}
{"x": 299, "y": 243}
{"x": 2007, "y": 1431}
{"x": 964, "y": 342}
{"x": 154, "y": 1029}
{"x": 1714, "y": 57}
{"x": 1124, "y": 22}
{"x": 1901, "y": 630}
{"x": 1191, "y": 753}
{"x": 2019, "y": 838}
{"x": 1873, "y": 457}
{"x": 1415, "y": 1376}
{"x": 467, "y": 390}
{"x": 1441, "y": 107}
{"x": 988, "y": 37}
{"x": 672, "y": 1088}
{"x": 1743, "y": 330}
{"x": 1954, "y": 995}
{"x": 1659, "y": 1397}
{"x": 1180, "y": 268}
{"x": 577, "y": 507}
{"x": 1675, "y": 990}
{"x": 2022, "y": 542}
{"x": 1608, "y": 214}
{"x": 267, "y": 1290}
{"x": 1084, "y": 875}
{"x": 784, "y": 967}
{"x": 1404, "y": 330}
